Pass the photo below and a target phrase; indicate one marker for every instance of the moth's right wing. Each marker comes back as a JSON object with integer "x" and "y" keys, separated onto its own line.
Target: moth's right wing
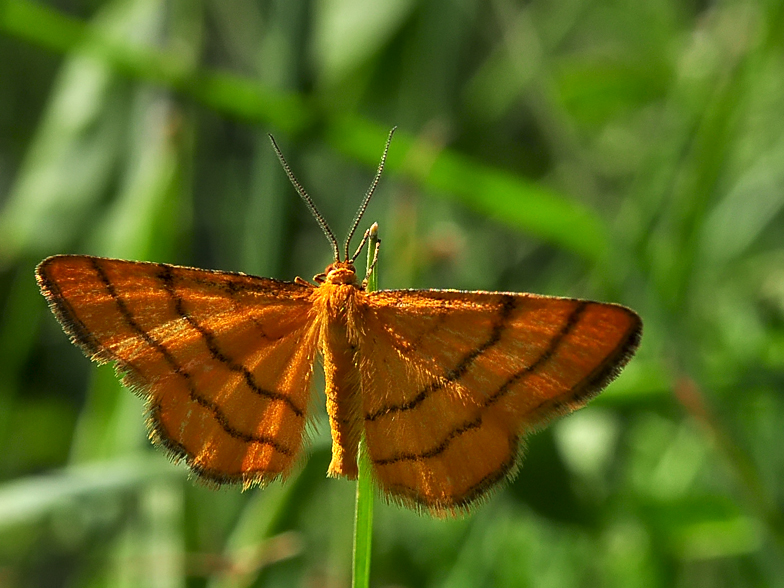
{"x": 453, "y": 381}
{"x": 224, "y": 360}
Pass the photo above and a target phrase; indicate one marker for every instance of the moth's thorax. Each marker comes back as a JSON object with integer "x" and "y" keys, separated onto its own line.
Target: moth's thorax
{"x": 341, "y": 272}
{"x": 336, "y": 295}
{"x": 336, "y": 304}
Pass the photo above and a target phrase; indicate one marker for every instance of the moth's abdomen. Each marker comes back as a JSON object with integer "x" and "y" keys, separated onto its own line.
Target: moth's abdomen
{"x": 336, "y": 305}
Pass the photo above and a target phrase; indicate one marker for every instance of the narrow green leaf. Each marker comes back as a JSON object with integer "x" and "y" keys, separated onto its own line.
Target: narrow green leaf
{"x": 363, "y": 515}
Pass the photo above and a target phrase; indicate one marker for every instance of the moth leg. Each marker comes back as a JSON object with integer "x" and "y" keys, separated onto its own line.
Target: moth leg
{"x": 365, "y": 237}
{"x": 372, "y": 265}
{"x": 302, "y": 282}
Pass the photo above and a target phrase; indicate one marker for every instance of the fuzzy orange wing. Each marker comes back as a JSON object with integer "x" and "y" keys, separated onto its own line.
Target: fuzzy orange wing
{"x": 453, "y": 381}
{"x": 223, "y": 360}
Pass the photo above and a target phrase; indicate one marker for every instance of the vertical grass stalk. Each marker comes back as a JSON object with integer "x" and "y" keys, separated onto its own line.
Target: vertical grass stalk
{"x": 363, "y": 513}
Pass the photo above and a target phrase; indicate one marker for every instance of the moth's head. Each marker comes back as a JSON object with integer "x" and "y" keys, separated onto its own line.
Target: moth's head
{"x": 341, "y": 272}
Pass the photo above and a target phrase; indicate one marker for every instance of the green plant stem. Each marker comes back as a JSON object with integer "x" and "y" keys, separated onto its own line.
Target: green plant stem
{"x": 363, "y": 513}
{"x": 363, "y": 522}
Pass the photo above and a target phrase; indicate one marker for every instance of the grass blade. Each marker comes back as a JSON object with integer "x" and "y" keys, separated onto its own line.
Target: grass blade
{"x": 363, "y": 514}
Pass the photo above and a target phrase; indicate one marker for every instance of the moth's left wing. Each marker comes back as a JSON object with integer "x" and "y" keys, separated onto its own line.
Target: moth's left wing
{"x": 223, "y": 360}
{"x": 453, "y": 381}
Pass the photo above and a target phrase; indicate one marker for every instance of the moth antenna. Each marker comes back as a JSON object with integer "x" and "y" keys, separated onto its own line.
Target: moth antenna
{"x": 365, "y": 237}
{"x": 369, "y": 193}
{"x": 306, "y": 197}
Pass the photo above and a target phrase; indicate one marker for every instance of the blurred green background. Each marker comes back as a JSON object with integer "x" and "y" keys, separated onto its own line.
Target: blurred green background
{"x": 629, "y": 152}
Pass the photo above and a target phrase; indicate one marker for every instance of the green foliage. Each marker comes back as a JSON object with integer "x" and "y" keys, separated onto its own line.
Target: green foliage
{"x": 629, "y": 152}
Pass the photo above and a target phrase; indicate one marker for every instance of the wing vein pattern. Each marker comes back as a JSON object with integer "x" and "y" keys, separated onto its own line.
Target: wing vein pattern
{"x": 223, "y": 360}
{"x": 445, "y": 417}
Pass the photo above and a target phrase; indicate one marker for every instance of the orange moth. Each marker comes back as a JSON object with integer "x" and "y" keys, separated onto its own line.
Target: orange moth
{"x": 444, "y": 385}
